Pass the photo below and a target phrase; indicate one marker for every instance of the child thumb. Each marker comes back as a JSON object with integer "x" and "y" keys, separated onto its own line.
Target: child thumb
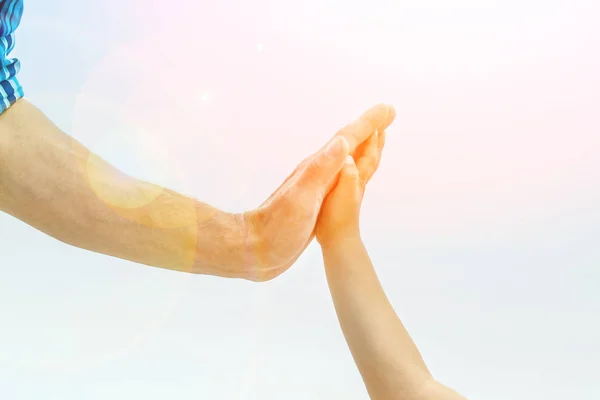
{"x": 348, "y": 181}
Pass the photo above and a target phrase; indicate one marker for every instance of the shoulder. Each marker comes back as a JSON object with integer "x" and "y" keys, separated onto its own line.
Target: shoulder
{"x": 11, "y": 12}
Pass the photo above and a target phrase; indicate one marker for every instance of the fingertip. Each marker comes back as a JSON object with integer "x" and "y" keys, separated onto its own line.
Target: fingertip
{"x": 390, "y": 117}
{"x": 391, "y": 111}
{"x": 350, "y": 168}
{"x": 381, "y": 116}
{"x": 376, "y": 115}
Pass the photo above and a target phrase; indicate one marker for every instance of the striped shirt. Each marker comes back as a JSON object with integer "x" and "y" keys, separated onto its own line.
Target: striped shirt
{"x": 10, "y": 17}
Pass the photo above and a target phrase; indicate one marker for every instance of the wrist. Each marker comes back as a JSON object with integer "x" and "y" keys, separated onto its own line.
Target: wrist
{"x": 340, "y": 240}
{"x": 225, "y": 243}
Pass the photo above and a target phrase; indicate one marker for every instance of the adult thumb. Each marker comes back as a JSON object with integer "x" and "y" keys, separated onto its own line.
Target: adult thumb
{"x": 326, "y": 164}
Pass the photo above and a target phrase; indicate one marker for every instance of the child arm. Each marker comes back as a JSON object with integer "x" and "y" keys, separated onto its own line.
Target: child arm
{"x": 388, "y": 360}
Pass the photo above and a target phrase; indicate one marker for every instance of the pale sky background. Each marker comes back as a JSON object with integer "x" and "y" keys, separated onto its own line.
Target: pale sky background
{"x": 483, "y": 220}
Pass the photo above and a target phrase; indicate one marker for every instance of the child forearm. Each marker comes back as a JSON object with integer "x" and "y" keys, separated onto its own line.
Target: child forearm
{"x": 388, "y": 360}
{"x": 386, "y": 356}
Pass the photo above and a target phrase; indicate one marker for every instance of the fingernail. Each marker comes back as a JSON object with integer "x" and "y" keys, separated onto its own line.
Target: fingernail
{"x": 334, "y": 148}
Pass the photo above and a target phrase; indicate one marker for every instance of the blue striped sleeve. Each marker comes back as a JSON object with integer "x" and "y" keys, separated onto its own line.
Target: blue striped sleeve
{"x": 10, "y": 88}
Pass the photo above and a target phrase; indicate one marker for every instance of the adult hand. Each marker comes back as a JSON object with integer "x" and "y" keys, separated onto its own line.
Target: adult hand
{"x": 283, "y": 226}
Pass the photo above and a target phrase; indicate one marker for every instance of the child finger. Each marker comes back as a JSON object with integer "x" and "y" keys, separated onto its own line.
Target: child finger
{"x": 381, "y": 141}
{"x": 369, "y": 161}
{"x": 347, "y": 181}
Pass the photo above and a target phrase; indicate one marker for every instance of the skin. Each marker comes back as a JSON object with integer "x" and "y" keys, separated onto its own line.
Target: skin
{"x": 386, "y": 356}
{"x": 53, "y": 183}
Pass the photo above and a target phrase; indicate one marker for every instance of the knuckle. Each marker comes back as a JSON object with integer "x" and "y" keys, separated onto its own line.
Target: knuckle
{"x": 316, "y": 170}
{"x": 316, "y": 163}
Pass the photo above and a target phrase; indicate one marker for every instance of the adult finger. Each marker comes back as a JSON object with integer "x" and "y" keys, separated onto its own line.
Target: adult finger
{"x": 377, "y": 118}
{"x": 324, "y": 166}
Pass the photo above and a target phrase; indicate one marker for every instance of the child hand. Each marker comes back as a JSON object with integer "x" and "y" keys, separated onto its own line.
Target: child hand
{"x": 339, "y": 217}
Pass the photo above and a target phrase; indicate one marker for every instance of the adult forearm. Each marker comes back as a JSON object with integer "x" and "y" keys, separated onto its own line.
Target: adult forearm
{"x": 386, "y": 356}
{"x": 54, "y": 184}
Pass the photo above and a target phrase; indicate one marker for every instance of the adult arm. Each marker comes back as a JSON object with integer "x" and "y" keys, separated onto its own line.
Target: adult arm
{"x": 53, "y": 183}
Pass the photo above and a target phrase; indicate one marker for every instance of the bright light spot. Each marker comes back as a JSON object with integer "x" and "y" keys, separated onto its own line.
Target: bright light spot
{"x": 205, "y": 98}
{"x": 260, "y": 47}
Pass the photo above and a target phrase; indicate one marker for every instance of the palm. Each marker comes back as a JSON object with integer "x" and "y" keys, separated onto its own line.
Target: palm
{"x": 285, "y": 222}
